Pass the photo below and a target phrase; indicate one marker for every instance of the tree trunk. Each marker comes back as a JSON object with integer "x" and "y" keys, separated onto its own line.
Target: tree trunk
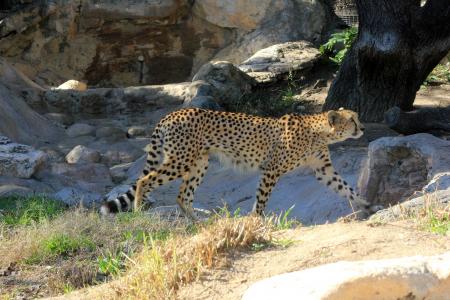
{"x": 421, "y": 120}
{"x": 398, "y": 45}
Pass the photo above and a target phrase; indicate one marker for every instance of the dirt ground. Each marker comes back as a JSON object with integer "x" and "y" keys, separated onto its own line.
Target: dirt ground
{"x": 312, "y": 246}
{"x": 316, "y": 246}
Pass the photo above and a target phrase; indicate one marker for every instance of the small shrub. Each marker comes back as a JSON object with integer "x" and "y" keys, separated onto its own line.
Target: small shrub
{"x": 340, "y": 42}
{"x": 59, "y": 245}
{"x": 110, "y": 264}
{"x": 63, "y": 244}
{"x": 273, "y": 102}
{"x": 439, "y": 223}
{"x": 439, "y": 75}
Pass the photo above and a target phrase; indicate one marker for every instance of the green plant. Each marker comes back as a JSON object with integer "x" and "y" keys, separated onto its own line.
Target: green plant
{"x": 111, "y": 264}
{"x": 28, "y": 210}
{"x": 284, "y": 243}
{"x": 63, "y": 244}
{"x": 439, "y": 224}
{"x": 339, "y": 43}
{"x": 59, "y": 245}
{"x": 439, "y": 75}
{"x": 259, "y": 246}
{"x": 282, "y": 221}
{"x": 226, "y": 213}
{"x": 68, "y": 288}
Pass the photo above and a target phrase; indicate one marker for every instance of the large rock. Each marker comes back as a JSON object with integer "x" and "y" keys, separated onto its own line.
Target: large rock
{"x": 243, "y": 14}
{"x": 399, "y": 166}
{"x": 80, "y": 129}
{"x": 82, "y": 154}
{"x": 227, "y": 81}
{"x": 14, "y": 190}
{"x": 285, "y": 21}
{"x": 417, "y": 277}
{"x": 110, "y": 133}
{"x": 85, "y": 177}
{"x": 18, "y": 121}
{"x": 19, "y": 160}
{"x": 271, "y": 63}
{"x": 76, "y": 196}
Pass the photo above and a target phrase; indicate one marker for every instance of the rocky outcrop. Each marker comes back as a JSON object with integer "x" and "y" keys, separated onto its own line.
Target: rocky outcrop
{"x": 399, "y": 166}
{"x": 417, "y": 277}
{"x": 17, "y": 160}
{"x": 227, "y": 82}
{"x": 274, "y": 62}
{"x": 284, "y": 21}
{"x": 216, "y": 84}
{"x": 416, "y": 206}
{"x": 112, "y": 101}
{"x": 18, "y": 121}
{"x": 124, "y": 43}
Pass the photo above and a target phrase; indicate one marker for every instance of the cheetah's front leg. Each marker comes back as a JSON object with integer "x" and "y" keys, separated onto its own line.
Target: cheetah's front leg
{"x": 267, "y": 182}
{"x": 326, "y": 174}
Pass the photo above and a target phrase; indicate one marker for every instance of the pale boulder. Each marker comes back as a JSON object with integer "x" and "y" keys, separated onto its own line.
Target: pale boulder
{"x": 243, "y": 14}
{"x": 417, "y": 277}
{"x": 269, "y": 64}
{"x": 73, "y": 85}
{"x": 82, "y": 154}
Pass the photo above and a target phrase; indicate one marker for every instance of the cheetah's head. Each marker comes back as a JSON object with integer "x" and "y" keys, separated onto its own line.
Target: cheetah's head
{"x": 344, "y": 124}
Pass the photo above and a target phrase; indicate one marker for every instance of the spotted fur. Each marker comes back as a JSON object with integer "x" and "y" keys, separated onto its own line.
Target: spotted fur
{"x": 182, "y": 142}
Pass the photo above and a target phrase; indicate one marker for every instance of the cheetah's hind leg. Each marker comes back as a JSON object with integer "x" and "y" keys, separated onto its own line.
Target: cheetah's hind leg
{"x": 191, "y": 180}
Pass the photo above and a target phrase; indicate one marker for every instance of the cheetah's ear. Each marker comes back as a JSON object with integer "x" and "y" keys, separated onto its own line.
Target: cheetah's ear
{"x": 332, "y": 119}
{"x": 341, "y": 108}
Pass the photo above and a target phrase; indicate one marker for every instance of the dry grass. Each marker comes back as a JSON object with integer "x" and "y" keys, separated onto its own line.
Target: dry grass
{"x": 150, "y": 256}
{"x": 162, "y": 267}
{"x": 77, "y": 244}
{"x": 433, "y": 215}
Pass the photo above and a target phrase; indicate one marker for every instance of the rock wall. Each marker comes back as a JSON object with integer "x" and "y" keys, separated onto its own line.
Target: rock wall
{"x": 111, "y": 43}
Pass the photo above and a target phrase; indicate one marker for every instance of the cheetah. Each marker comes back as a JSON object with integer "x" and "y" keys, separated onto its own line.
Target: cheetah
{"x": 182, "y": 142}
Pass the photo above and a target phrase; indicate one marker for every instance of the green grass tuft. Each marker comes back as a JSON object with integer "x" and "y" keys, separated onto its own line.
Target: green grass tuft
{"x": 439, "y": 224}
{"x": 28, "y": 210}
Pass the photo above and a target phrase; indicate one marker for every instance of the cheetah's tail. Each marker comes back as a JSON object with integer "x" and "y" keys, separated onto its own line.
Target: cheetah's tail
{"x": 125, "y": 201}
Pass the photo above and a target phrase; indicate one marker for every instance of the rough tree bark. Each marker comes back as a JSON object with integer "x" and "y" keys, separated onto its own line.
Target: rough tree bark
{"x": 420, "y": 120}
{"x": 399, "y": 43}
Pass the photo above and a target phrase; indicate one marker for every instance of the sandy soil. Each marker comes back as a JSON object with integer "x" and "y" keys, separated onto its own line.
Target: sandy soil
{"x": 316, "y": 246}
{"x": 436, "y": 96}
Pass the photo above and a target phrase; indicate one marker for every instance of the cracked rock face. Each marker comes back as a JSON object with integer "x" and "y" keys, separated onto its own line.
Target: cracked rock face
{"x": 268, "y": 64}
{"x": 116, "y": 43}
{"x": 17, "y": 160}
{"x": 397, "y": 167}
